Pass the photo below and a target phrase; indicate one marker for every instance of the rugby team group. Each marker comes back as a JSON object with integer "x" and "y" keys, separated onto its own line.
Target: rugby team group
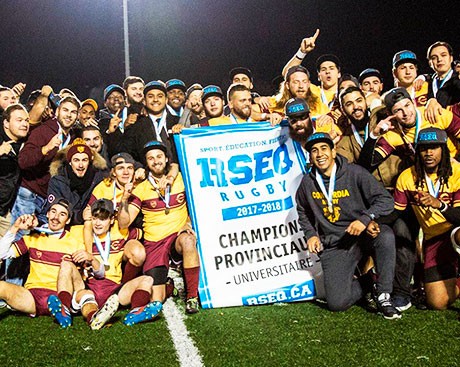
{"x": 93, "y": 212}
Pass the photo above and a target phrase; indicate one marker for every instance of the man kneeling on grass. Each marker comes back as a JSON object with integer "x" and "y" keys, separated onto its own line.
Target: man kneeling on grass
{"x": 49, "y": 246}
{"x": 337, "y": 204}
{"x": 432, "y": 188}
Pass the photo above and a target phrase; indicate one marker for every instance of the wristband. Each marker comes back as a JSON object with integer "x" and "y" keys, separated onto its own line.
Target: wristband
{"x": 443, "y": 207}
{"x": 300, "y": 55}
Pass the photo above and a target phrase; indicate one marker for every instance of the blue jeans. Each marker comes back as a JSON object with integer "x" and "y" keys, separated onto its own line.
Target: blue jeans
{"x": 26, "y": 203}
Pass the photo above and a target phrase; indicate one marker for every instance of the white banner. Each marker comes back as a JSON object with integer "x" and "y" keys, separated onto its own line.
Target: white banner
{"x": 241, "y": 182}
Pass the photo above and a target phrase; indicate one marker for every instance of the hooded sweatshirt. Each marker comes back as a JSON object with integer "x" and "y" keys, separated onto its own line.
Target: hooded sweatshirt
{"x": 357, "y": 196}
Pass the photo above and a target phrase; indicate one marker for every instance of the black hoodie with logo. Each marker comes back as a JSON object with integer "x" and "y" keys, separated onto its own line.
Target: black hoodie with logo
{"x": 357, "y": 196}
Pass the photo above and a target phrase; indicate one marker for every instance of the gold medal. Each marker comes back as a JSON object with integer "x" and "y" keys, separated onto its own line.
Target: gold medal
{"x": 106, "y": 267}
{"x": 167, "y": 211}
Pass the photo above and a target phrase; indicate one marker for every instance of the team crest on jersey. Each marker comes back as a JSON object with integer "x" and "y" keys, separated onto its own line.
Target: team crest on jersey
{"x": 180, "y": 198}
{"x": 66, "y": 257}
{"x": 153, "y": 204}
{"x": 334, "y": 216}
{"x": 115, "y": 245}
{"x": 421, "y": 100}
{"x": 39, "y": 254}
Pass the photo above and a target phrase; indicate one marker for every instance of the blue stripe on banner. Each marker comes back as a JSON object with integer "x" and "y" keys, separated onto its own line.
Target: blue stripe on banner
{"x": 291, "y": 293}
{"x": 205, "y": 296}
{"x": 250, "y": 210}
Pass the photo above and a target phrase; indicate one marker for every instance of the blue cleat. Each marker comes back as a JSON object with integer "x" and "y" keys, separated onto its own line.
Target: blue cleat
{"x": 60, "y": 312}
{"x": 144, "y": 313}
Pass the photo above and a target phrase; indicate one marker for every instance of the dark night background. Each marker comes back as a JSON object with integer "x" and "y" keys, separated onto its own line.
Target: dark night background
{"x": 79, "y": 43}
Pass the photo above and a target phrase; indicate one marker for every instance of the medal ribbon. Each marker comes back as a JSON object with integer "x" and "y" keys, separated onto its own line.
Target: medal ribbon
{"x": 435, "y": 82}
{"x": 324, "y": 99}
{"x": 167, "y": 195}
{"x": 104, "y": 252}
{"x": 358, "y": 137}
{"x": 45, "y": 229}
{"x": 327, "y": 193}
{"x": 418, "y": 119}
{"x": 64, "y": 142}
{"x": 433, "y": 189}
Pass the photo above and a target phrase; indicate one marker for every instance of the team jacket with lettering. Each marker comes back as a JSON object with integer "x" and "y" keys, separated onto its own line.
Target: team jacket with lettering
{"x": 357, "y": 195}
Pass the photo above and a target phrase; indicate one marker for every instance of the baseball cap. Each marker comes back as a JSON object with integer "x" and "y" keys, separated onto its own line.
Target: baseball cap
{"x": 112, "y": 88}
{"x": 90, "y": 102}
{"x": 296, "y": 107}
{"x": 154, "y": 144}
{"x": 431, "y": 136}
{"x": 404, "y": 56}
{"x": 60, "y": 201}
{"x": 121, "y": 158}
{"x": 318, "y": 138}
{"x": 295, "y": 69}
{"x": 176, "y": 83}
{"x": 327, "y": 57}
{"x": 192, "y": 89}
{"x": 395, "y": 95}
{"x": 104, "y": 205}
{"x": 155, "y": 84}
{"x": 369, "y": 72}
{"x": 211, "y": 90}
{"x": 240, "y": 70}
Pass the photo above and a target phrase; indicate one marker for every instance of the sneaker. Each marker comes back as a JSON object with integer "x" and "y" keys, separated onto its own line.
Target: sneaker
{"x": 386, "y": 307}
{"x": 402, "y": 303}
{"x": 60, "y": 312}
{"x": 368, "y": 303}
{"x": 191, "y": 306}
{"x": 105, "y": 313}
{"x": 144, "y": 313}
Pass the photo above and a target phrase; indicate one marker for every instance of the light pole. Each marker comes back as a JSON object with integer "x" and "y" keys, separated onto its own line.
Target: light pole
{"x": 126, "y": 37}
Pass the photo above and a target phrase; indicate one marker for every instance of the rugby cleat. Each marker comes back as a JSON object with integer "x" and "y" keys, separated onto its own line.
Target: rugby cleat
{"x": 105, "y": 313}
{"x": 144, "y": 313}
{"x": 60, "y": 312}
{"x": 191, "y": 306}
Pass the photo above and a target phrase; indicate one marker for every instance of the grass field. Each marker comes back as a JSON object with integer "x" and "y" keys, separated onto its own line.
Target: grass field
{"x": 302, "y": 334}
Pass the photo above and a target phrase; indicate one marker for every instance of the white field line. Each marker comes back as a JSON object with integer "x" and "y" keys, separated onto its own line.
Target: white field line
{"x": 187, "y": 352}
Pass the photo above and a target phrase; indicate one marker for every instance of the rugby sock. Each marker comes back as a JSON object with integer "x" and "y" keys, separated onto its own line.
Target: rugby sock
{"x": 140, "y": 298}
{"x": 90, "y": 316}
{"x": 66, "y": 298}
{"x": 130, "y": 272}
{"x": 191, "y": 276}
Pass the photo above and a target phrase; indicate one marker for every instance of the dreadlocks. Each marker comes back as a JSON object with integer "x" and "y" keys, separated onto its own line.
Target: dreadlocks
{"x": 444, "y": 167}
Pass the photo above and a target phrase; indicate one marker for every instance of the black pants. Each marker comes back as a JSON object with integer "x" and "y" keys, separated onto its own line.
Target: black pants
{"x": 406, "y": 230}
{"x": 339, "y": 265}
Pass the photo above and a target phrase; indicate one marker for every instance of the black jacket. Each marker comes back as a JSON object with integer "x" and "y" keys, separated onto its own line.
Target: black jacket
{"x": 9, "y": 174}
{"x": 449, "y": 93}
{"x": 59, "y": 185}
